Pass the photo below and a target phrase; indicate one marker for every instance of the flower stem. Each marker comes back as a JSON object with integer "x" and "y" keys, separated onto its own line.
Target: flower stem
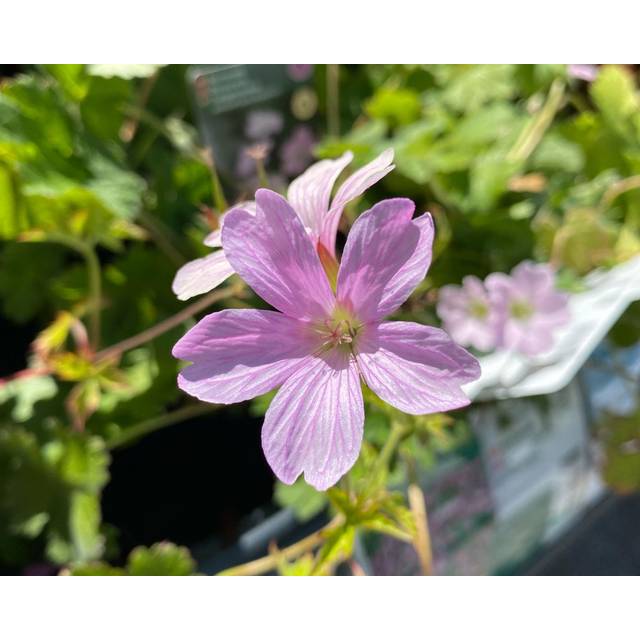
{"x": 219, "y": 200}
{"x": 95, "y": 289}
{"x": 262, "y": 565}
{"x": 618, "y": 188}
{"x": 270, "y": 562}
{"x": 333, "y": 100}
{"x": 533, "y": 132}
{"x": 130, "y": 125}
{"x": 94, "y": 278}
{"x": 422, "y": 540}
{"x": 166, "y": 325}
{"x": 131, "y": 434}
{"x": 398, "y": 433}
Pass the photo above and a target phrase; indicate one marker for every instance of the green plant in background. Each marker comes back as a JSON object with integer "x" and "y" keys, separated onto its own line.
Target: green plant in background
{"x": 161, "y": 559}
{"x": 101, "y": 179}
{"x": 84, "y": 227}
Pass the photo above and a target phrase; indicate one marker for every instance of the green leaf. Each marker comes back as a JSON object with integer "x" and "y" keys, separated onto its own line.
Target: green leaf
{"x": 621, "y": 438}
{"x": 103, "y": 108}
{"x": 364, "y": 141}
{"x": 616, "y": 96}
{"x": 489, "y": 180}
{"x": 119, "y": 190}
{"x": 38, "y": 267}
{"x": 9, "y": 217}
{"x": 475, "y": 85}
{"x": 71, "y": 367}
{"x": 72, "y": 78}
{"x": 301, "y": 498}
{"x": 25, "y": 393}
{"x": 94, "y": 569}
{"x": 584, "y": 241}
{"x": 396, "y": 106}
{"x": 84, "y": 526}
{"x": 339, "y": 546}
{"x": 162, "y": 559}
{"x": 50, "y": 489}
{"x": 302, "y": 566}
{"x": 555, "y": 153}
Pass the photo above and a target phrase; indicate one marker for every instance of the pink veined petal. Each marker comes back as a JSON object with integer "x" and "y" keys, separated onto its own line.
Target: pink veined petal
{"x": 353, "y": 187}
{"x": 274, "y": 255}
{"x": 416, "y": 368}
{"x": 201, "y": 275}
{"x": 314, "y": 424}
{"x": 309, "y": 193}
{"x": 407, "y": 278}
{"x": 381, "y": 243}
{"x": 214, "y": 239}
{"x": 238, "y": 354}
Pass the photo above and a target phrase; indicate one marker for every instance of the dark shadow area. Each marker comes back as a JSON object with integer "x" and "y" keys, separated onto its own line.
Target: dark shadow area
{"x": 605, "y": 542}
{"x": 189, "y": 482}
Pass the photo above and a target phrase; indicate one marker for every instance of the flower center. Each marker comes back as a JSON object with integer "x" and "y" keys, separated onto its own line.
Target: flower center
{"x": 340, "y": 330}
{"x": 520, "y": 310}
{"x": 478, "y": 309}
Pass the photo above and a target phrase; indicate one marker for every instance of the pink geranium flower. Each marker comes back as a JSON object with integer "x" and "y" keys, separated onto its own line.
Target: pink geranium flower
{"x": 468, "y": 316}
{"x": 529, "y": 305}
{"x": 309, "y": 195}
{"x": 586, "y": 72}
{"x": 318, "y": 345}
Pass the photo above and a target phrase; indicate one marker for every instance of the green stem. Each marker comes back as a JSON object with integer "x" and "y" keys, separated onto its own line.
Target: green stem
{"x": 130, "y": 435}
{"x": 130, "y": 126}
{"x": 533, "y": 132}
{"x": 95, "y": 289}
{"x": 270, "y": 562}
{"x": 333, "y": 100}
{"x": 618, "y": 188}
{"x": 262, "y": 174}
{"x": 398, "y": 433}
{"x": 94, "y": 279}
{"x": 219, "y": 200}
{"x": 147, "y": 335}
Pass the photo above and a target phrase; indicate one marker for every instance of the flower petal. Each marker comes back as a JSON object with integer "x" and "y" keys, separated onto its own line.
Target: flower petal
{"x": 353, "y": 187}
{"x": 274, "y": 255}
{"x": 384, "y": 253}
{"x": 407, "y": 278}
{"x": 416, "y": 368}
{"x": 201, "y": 275}
{"x": 314, "y": 424}
{"x": 214, "y": 239}
{"x": 309, "y": 193}
{"x": 238, "y": 354}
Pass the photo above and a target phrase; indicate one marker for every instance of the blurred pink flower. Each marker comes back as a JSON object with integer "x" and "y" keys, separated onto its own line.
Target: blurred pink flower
{"x": 297, "y": 151}
{"x": 318, "y": 345}
{"x": 299, "y": 72}
{"x": 261, "y": 124}
{"x": 468, "y": 315}
{"x": 529, "y": 305}
{"x": 309, "y": 195}
{"x": 586, "y": 72}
